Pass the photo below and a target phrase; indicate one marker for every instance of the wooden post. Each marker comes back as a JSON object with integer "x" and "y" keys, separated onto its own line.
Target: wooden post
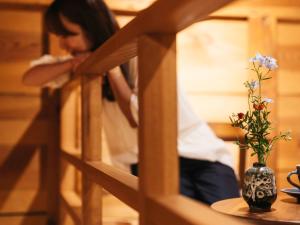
{"x": 158, "y": 158}
{"x": 53, "y": 159}
{"x": 262, "y": 38}
{"x": 91, "y": 148}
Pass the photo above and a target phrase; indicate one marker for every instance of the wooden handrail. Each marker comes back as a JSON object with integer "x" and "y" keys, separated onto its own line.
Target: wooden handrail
{"x": 123, "y": 185}
{"x": 175, "y": 15}
{"x": 158, "y": 160}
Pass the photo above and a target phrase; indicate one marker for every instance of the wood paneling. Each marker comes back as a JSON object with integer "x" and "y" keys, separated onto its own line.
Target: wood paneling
{"x": 282, "y": 9}
{"x": 24, "y": 220}
{"x": 20, "y": 37}
{"x": 289, "y": 56}
{"x": 212, "y": 109}
{"x": 204, "y": 62}
{"x": 20, "y": 42}
{"x": 23, "y": 131}
{"x": 288, "y": 81}
{"x": 19, "y": 45}
{"x": 21, "y": 167}
{"x": 21, "y": 107}
{"x": 27, "y": 200}
{"x": 25, "y": 136}
{"x": 11, "y": 79}
{"x": 289, "y": 107}
{"x": 27, "y": 1}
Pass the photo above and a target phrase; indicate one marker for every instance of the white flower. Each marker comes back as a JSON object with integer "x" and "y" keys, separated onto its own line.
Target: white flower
{"x": 270, "y": 63}
{"x": 268, "y": 100}
{"x": 258, "y": 58}
{"x": 266, "y": 61}
{"x": 254, "y": 84}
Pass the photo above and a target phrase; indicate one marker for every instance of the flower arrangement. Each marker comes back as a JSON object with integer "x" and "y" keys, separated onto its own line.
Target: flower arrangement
{"x": 255, "y": 121}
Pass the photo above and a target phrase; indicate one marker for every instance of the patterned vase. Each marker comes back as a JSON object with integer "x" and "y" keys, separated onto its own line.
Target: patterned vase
{"x": 259, "y": 188}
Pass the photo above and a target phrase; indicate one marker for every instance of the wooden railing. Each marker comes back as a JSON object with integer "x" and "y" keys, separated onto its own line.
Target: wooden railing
{"x": 155, "y": 194}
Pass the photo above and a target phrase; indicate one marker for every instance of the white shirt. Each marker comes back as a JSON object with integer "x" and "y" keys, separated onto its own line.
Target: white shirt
{"x": 195, "y": 139}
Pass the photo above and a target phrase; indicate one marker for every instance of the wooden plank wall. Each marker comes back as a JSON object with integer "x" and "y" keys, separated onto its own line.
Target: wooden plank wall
{"x": 212, "y": 60}
{"x": 213, "y": 57}
{"x": 289, "y": 98}
{"x": 25, "y": 121}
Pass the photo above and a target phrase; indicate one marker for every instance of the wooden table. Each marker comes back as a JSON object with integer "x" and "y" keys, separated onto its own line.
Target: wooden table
{"x": 284, "y": 211}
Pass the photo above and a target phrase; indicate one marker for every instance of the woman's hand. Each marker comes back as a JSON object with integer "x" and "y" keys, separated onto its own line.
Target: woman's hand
{"x": 78, "y": 59}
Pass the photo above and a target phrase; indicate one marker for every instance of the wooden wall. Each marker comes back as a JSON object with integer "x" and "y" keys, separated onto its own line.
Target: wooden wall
{"x": 213, "y": 57}
{"x": 289, "y": 98}
{"x": 212, "y": 60}
{"x": 26, "y": 119}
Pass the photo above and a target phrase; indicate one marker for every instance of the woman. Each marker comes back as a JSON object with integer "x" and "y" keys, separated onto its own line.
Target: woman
{"x": 205, "y": 163}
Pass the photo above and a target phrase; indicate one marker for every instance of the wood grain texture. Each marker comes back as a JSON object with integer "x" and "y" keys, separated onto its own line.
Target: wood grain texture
{"x": 28, "y": 200}
{"x": 91, "y": 148}
{"x": 121, "y": 184}
{"x": 158, "y": 115}
{"x": 283, "y": 10}
{"x": 21, "y": 107}
{"x": 20, "y": 167}
{"x": 173, "y": 21}
{"x": 24, "y": 220}
{"x": 263, "y": 39}
{"x": 23, "y": 131}
{"x": 285, "y": 210}
{"x": 11, "y": 80}
{"x": 178, "y": 210}
{"x": 19, "y": 46}
{"x": 158, "y": 157}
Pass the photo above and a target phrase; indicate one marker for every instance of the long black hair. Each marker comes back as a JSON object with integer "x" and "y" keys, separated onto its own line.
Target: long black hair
{"x": 96, "y": 20}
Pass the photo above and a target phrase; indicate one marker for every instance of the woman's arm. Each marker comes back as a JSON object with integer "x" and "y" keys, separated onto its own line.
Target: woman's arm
{"x": 45, "y": 72}
{"x": 42, "y": 74}
{"x": 122, "y": 93}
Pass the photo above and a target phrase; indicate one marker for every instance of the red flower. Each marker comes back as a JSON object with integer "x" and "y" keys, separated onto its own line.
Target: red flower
{"x": 241, "y": 115}
{"x": 258, "y": 107}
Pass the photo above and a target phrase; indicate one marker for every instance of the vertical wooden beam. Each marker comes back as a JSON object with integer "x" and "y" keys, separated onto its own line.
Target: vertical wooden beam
{"x": 91, "y": 148}
{"x": 262, "y": 38}
{"x": 158, "y": 158}
{"x": 53, "y": 158}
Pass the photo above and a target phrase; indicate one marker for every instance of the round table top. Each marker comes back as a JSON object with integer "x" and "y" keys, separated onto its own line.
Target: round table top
{"x": 284, "y": 210}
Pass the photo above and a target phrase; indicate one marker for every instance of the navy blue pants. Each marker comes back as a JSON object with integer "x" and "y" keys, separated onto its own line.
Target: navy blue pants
{"x": 204, "y": 181}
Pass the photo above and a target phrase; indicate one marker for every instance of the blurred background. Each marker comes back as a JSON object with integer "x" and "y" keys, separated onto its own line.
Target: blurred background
{"x": 212, "y": 67}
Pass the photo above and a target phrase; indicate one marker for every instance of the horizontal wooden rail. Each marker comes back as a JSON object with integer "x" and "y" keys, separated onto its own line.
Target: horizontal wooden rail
{"x": 72, "y": 204}
{"x": 178, "y": 210}
{"x": 154, "y": 28}
{"x": 121, "y": 184}
{"x": 122, "y": 46}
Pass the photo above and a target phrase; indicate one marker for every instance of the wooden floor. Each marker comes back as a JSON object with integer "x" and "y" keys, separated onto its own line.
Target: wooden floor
{"x": 117, "y": 213}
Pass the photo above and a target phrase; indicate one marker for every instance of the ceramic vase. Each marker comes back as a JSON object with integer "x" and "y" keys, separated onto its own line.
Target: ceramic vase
{"x": 259, "y": 188}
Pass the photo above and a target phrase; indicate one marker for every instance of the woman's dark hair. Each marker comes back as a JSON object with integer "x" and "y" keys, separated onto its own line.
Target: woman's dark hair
{"x": 96, "y": 20}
